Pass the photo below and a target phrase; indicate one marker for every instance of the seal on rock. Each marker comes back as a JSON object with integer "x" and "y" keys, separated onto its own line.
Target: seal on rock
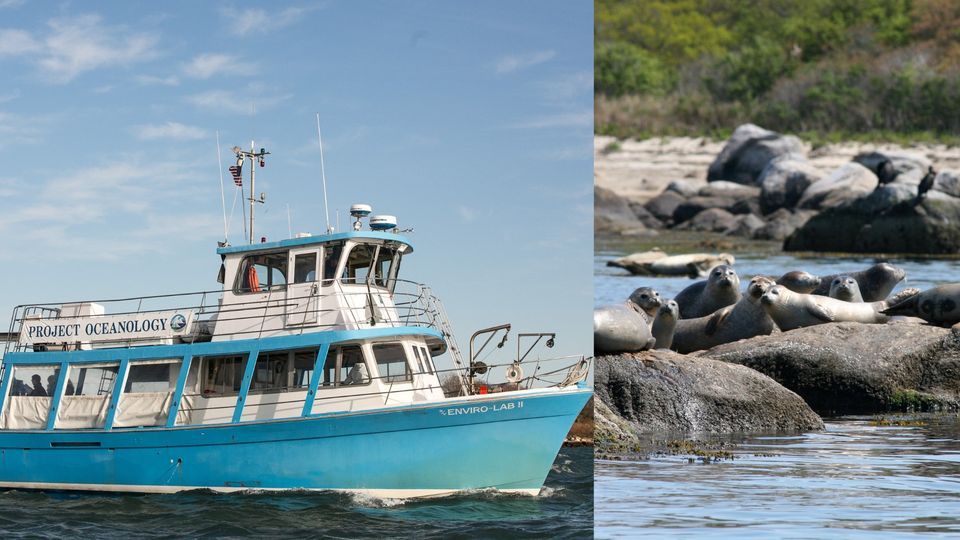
{"x": 620, "y": 329}
{"x": 647, "y": 300}
{"x": 875, "y": 282}
{"x": 658, "y": 263}
{"x": 845, "y": 288}
{"x": 720, "y": 289}
{"x": 939, "y": 305}
{"x": 665, "y": 324}
{"x": 798, "y": 281}
{"x": 743, "y": 320}
{"x": 794, "y": 310}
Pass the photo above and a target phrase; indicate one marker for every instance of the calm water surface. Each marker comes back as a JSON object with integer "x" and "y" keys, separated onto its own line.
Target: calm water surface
{"x": 853, "y": 480}
{"x": 564, "y": 509}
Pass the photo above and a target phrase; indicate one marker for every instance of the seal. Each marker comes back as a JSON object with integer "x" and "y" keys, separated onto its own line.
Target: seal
{"x": 720, "y": 289}
{"x": 939, "y": 305}
{"x": 743, "y": 320}
{"x": 665, "y": 324}
{"x": 845, "y": 288}
{"x": 658, "y": 263}
{"x": 646, "y": 301}
{"x": 875, "y": 282}
{"x": 798, "y": 281}
{"x": 620, "y": 329}
{"x": 794, "y": 310}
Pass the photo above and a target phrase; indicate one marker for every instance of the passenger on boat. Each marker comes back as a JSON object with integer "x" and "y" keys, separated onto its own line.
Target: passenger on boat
{"x": 51, "y": 384}
{"x": 38, "y": 390}
{"x": 19, "y": 388}
{"x": 70, "y": 388}
{"x": 357, "y": 375}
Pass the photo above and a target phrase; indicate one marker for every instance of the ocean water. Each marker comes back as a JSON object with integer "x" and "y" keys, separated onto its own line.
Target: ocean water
{"x": 857, "y": 479}
{"x": 564, "y": 509}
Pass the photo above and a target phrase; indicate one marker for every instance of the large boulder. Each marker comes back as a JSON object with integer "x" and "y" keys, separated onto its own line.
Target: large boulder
{"x": 854, "y": 368}
{"x": 746, "y": 226}
{"x": 910, "y": 167}
{"x": 783, "y": 181}
{"x": 926, "y": 226}
{"x": 947, "y": 182}
{"x": 612, "y": 214}
{"x": 665, "y": 391}
{"x": 749, "y": 149}
{"x": 849, "y": 182}
{"x": 710, "y": 220}
{"x": 782, "y": 223}
{"x": 695, "y": 205}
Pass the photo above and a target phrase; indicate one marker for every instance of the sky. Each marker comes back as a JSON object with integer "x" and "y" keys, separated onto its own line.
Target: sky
{"x": 471, "y": 122}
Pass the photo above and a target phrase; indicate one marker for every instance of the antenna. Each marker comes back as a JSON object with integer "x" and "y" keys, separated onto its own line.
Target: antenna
{"x": 289, "y": 225}
{"x": 223, "y": 200}
{"x": 255, "y": 158}
{"x": 323, "y": 174}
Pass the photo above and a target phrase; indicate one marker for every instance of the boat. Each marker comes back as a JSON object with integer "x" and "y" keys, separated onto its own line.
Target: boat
{"x": 310, "y": 367}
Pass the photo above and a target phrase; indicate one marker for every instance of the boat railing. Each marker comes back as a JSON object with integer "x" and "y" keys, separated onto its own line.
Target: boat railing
{"x": 335, "y": 307}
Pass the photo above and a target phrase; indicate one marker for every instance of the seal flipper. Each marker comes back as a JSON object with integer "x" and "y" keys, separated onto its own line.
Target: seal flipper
{"x": 716, "y": 319}
{"x": 903, "y": 304}
{"x": 819, "y": 311}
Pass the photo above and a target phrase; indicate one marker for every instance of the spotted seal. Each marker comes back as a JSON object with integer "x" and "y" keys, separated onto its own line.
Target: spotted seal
{"x": 620, "y": 329}
{"x": 665, "y": 324}
{"x": 720, "y": 289}
{"x": 798, "y": 281}
{"x": 845, "y": 288}
{"x": 794, "y": 310}
{"x": 743, "y": 320}
{"x": 939, "y": 305}
{"x": 646, "y": 301}
{"x": 875, "y": 282}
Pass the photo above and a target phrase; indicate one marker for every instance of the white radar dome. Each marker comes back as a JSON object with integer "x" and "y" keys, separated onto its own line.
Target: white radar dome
{"x": 383, "y": 223}
{"x": 360, "y": 210}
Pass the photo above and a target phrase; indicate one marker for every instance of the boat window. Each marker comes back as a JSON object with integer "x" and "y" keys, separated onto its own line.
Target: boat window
{"x": 279, "y": 371}
{"x": 416, "y": 352}
{"x": 222, "y": 375}
{"x": 147, "y": 393}
{"x": 392, "y": 362}
{"x": 429, "y": 360}
{"x": 358, "y": 263}
{"x": 344, "y": 366}
{"x": 85, "y": 406}
{"x": 305, "y": 268}
{"x": 28, "y": 406}
{"x": 386, "y": 258}
{"x": 259, "y": 273}
{"x": 331, "y": 257}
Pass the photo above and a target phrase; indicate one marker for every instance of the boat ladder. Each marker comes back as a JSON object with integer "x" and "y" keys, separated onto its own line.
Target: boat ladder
{"x": 435, "y": 310}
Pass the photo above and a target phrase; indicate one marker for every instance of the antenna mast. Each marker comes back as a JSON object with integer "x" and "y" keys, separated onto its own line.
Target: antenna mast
{"x": 255, "y": 158}
{"x": 323, "y": 174}
{"x": 223, "y": 201}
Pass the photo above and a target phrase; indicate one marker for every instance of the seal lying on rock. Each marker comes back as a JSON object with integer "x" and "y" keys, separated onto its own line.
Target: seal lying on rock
{"x": 743, "y": 320}
{"x": 845, "y": 288}
{"x": 647, "y": 300}
{"x": 665, "y": 324}
{"x": 939, "y": 305}
{"x": 720, "y": 289}
{"x": 801, "y": 282}
{"x": 620, "y": 329}
{"x": 794, "y": 310}
{"x": 875, "y": 282}
{"x": 657, "y": 263}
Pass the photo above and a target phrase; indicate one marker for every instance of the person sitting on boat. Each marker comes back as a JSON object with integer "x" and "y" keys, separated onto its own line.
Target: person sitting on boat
{"x": 51, "y": 384}
{"x": 357, "y": 375}
{"x": 70, "y": 388}
{"x": 38, "y": 390}
{"x": 19, "y": 388}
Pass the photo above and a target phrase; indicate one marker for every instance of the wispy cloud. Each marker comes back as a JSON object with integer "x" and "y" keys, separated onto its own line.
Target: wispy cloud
{"x": 11, "y": 3}
{"x": 570, "y": 119}
{"x": 205, "y": 66}
{"x": 74, "y": 45}
{"x": 467, "y": 214}
{"x": 16, "y": 128}
{"x": 248, "y": 21}
{"x": 169, "y": 130}
{"x": 566, "y": 88}
{"x": 228, "y": 101}
{"x": 516, "y": 62}
{"x": 153, "y": 80}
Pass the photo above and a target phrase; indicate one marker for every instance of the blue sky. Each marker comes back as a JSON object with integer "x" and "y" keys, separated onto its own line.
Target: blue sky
{"x": 470, "y": 121}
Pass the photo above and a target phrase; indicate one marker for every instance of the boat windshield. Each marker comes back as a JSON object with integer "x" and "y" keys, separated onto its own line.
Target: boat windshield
{"x": 379, "y": 263}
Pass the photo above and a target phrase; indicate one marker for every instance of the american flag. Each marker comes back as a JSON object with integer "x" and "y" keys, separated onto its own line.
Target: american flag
{"x": 236, "y": 172}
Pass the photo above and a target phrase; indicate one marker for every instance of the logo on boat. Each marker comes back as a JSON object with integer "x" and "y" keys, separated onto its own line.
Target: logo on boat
{"x": 482, "y": 409}
{"x": 178, "y": 322}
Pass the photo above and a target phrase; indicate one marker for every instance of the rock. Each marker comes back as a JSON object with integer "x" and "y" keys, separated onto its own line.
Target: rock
{"x": 908, "y": 227}
{"x": 849, "y": 182}
{"x": 910, "y": 167}
{"x": 746, "y": 226}
{"x": 746, "y": 206}
{"x": 947, "y": 182}
{"x": 685, "y": 188}
{"x": 854, "y": 368}
{"x": 663, "y": 205}
{"x": 665, "y": 391}
{"x": 710, "y": 220}
{"x": 783, "y": 181}
{"x": 748, "y": 151}
{"x": 612, "y": 214}
{"x": 695, "y": 205}
{"x": 644, "y": 216}
{"x": 781, "y": 224}
{"x": 732, "y": 190}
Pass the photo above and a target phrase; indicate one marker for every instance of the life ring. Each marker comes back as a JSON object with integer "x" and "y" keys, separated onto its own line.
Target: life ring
{"x": 514, "y": 373}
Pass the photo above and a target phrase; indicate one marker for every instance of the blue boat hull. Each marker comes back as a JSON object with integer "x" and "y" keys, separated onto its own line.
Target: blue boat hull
{"x": 506, "y": 442}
